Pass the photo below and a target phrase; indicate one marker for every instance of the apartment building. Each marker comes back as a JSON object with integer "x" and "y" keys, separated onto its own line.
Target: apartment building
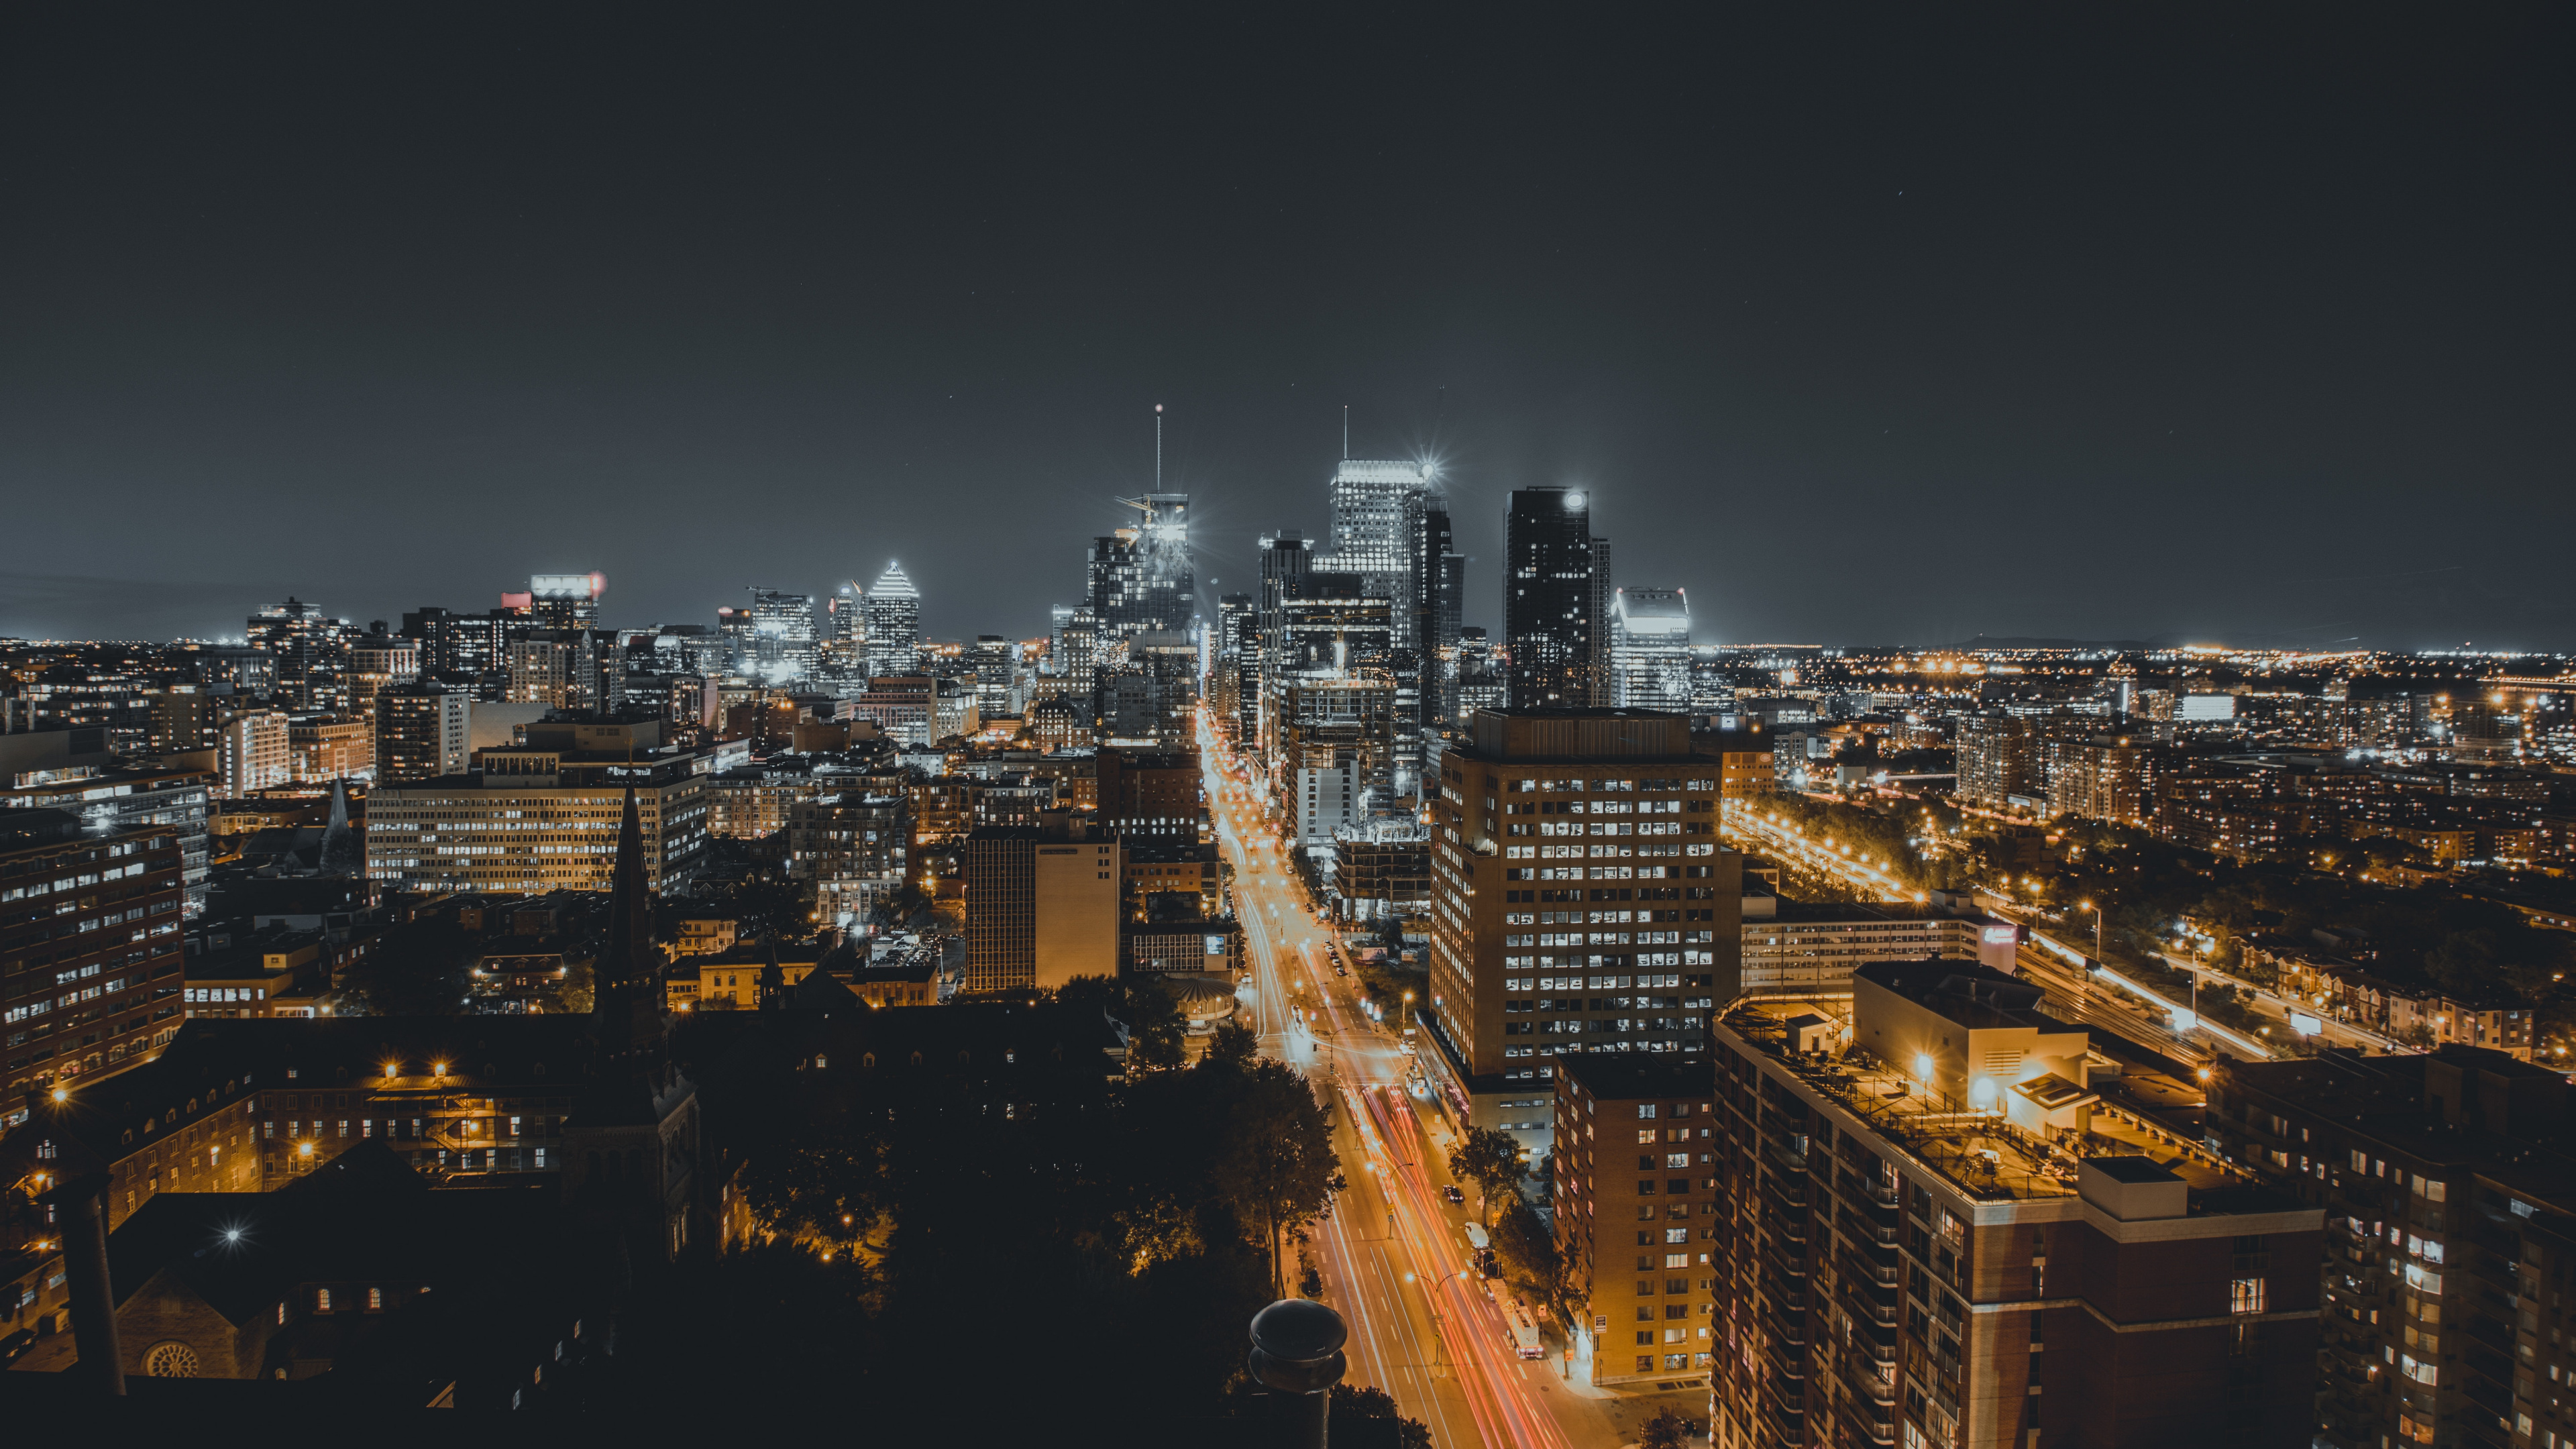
{"x": 1580, "y": 902}
{"x": 1646, "y": 1308}
{"x": 1927, "y": 1237}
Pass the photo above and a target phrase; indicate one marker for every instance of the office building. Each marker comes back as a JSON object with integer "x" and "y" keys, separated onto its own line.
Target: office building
{"x": 561, "y": 601}
{"x": 1917, "y": 1198}
{"x": 1336, "y": 755}
{"x": 1580, "y": 903}
{"x": 1041, "y": 906}
{"x": 543, "y": 815}
{"x": 183, "y": 719}
{"x": 1140, "y": 578}
{"x": 253, "y": 752}
{"x": 327, "y": 747}
{"x": 309, "y": 649}
{"x": 1372, "y": 505}
{"x": 1149, "y": 700}
{"x": 777, "y": 634}
{"x": 893, "y": 608}
{"x": 575, "y": 669}
{"x": 423, "y": 731}
{"x": 1650, "y": 650}
{"x": 1551, "y": 622}
{"x": 1146, "y": 794}
{"x": 1647, "y": 1309}
{"x": 379, "y": 661}
{"x": 851, "y": 845}
{"x": 1811, "y": 948}
{"x": 1478, "y": 677}
{"x": 69, "y": 770}
{"x": 80, "y": 995}
{"x": 1999, "y": 760}
{"x": 2449, "y": 1242}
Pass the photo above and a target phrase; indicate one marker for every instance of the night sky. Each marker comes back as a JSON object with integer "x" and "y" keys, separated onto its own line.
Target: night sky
{"x": 1886, "y": 328}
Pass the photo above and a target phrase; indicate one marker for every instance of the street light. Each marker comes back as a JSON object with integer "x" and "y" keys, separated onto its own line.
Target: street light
{"x": 2098, "y": 953}
{"x": 1408, "y": 1011}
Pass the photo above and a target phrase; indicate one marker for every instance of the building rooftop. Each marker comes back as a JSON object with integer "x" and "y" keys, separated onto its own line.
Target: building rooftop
{"x": 1981, "y": 1153}
{"x": 1625, "y": 1076}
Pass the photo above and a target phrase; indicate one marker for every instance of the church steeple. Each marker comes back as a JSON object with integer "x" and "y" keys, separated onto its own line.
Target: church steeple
{"x": 773, "y": 978}
{"x": 626, "y": 1004}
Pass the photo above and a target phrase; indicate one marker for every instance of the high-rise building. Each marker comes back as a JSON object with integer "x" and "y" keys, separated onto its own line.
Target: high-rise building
{"x": 844, "y": 645}
{"x": 1436, "y": 593}
{"x": 1139, "y": 579}
{"x": 1041, "y": 905}
{"x": 893, "y": 610}
{"x": 850, "y": 845}
{"x": 1604, "y": 684}
{"x": 377, "y": 662}
{"x": 2450, "y": 1231}
{"x": 777, "y": 637}
{"x": 1336, "y": 756}
{"x": 1650, "y": 653}
{"x": 545, "y": 815}
{"x": 1149, "y": 700}
{"x": 1632, "y": 1320}
{"x": 1371, "y": 499}
{"x": 184, "y": 719}
{"x": 1479, "y": 677}
{"x": 1551, "y": 627}
{"x": 1926, "y": 1235}
{"x": 996, "y": 662}
{"x": 564, "y": 601}
{"x": 253, "y": 752}
{"x": 310, "y": 650}
{"x": 1580, "y": 902}
{"x": 1999, "y": 759}
{"x": 1149, "y": 793}
{"x": 422, "y": 732}
{"x": 115, "y": 984}
{"x": 565, "y": 669}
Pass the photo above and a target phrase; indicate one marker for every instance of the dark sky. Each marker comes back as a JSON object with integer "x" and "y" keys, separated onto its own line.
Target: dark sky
{"x": 1885, "y": 326}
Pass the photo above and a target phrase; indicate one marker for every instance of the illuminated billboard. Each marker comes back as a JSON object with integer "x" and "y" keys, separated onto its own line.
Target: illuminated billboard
{"x": 568, "y": 586}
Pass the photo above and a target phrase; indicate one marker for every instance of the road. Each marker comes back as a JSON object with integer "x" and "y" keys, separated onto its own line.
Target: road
{"x": 1393, "y": 1254}
{"x": 1798, "y": 850}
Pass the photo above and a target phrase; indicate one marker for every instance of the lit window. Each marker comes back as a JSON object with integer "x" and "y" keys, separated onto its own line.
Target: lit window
{"x": 322, "y": 1300}
{"x": 2245, "y": 1295}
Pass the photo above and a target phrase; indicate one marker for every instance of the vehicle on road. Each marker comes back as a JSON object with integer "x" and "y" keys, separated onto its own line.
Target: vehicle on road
{"x": 1452, "y": 1193}
{"x": 1524, "y": 1330}
{"x": 1476, "y": 1237}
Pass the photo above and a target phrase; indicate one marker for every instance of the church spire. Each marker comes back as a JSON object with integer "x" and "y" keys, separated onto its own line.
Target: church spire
{"x": 630, "y": 907}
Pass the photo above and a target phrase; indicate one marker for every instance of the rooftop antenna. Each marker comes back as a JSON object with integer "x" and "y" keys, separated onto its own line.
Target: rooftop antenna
{"x": 1346, "y": 432}
{"x": 1158, "y": 447}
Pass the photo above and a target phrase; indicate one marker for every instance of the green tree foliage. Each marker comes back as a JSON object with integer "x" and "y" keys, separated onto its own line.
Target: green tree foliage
{"x": 1527, "y": 1251}
{"x": 1156, "y": 1030}
{"x": 1356, "y": 1415}
{"x": 418, "y": 969}
{"x": 1492, "y": 1161}
{"x": 1276, "y": 1168}
{"x": 1669, "y": 1429}
{"x": 1233, "y": 1047}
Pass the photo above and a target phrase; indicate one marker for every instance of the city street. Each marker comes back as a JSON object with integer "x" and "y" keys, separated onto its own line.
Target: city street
{"x": 1394, "y": 1256}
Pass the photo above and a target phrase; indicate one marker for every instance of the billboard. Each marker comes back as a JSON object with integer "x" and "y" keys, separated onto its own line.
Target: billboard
{"x": 1999, "y": 946}
{"x": 567, "y": 586}
{"x": 2304, "y": 1024}
{"x": 2207, "y": 707}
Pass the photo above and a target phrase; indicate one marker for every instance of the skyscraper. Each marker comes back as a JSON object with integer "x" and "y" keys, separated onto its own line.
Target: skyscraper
{"x": 782, "y": 636}
{"x": 1139, "y": 578}
{"x": 893, "y": 609}
{"x": 1437, "y": 601}
{"x": 310, "y": 650}
{"x": 1371, "y": 499}
{"x": 1650, "y": 654}
{"x": 1550, "y": 630}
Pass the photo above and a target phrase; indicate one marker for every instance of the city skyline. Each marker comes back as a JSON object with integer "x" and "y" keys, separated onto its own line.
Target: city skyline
{"x": 2172, "y": 364}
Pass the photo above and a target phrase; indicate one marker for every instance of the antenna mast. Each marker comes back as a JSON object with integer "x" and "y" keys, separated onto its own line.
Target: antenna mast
{"x": 1158, "y": 447}
{"x": 1346, "y": 432}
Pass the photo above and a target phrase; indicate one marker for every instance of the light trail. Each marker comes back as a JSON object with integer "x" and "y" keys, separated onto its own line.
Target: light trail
{"x": 1462, "y": 1375}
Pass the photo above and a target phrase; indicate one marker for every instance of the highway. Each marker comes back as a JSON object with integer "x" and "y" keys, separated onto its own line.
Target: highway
{"x": 1393, "y": 1255}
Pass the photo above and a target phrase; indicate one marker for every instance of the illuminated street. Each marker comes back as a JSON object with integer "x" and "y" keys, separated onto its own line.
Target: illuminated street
{"x": 1394, "y": 1258}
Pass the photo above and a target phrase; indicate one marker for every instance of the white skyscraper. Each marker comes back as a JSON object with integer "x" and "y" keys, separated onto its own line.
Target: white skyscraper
{"x": 1369, "y": 533}
{"x": 1650, "y": 653}
{"x": 894, "y": 624}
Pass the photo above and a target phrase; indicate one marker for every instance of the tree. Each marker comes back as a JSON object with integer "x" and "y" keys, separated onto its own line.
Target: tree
{"x": 1492, "y": 1161}
{"x": 1276, "y": 1167}
{"x": 1233, "y": 1047}
{"x": 1527, "y": 1250}
{"x": 1351, "y": 1413}
{"x": 1669, "y": 1429}
{"x": 1155, "y": 1028}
